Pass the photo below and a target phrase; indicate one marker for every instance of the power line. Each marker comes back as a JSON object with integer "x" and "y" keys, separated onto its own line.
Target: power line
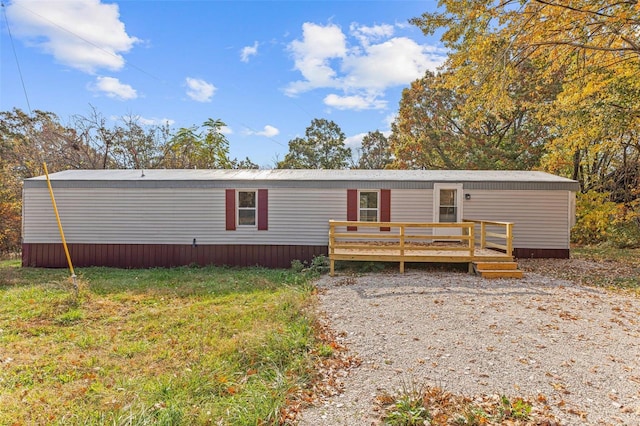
{"x": 15, "y": 54}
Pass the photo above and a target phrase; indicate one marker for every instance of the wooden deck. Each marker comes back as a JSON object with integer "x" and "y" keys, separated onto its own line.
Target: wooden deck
{"x": 417, "y": 242}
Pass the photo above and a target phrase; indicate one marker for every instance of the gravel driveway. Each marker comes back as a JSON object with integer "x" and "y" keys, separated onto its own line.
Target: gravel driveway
{"x": 577, "y": 348}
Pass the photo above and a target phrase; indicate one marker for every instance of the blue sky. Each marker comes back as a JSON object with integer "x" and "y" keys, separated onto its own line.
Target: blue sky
{"x": 265, "y": 68}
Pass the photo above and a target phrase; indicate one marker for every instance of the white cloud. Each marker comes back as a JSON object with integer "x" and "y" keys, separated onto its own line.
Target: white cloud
{"x": 354, "y": 141}
{"x": 312, "y": 56}
{"x": 363, "y": 66}
{"x": 355, "y": 102}
{"x": 87, "y": 35}
{"x": 395, "y": 62}
{"x": 248, "y": 51}
{"x": 268, "y": 131}
{"x": 226, "y": 130}
{"x": 199, "y": 90}
{"x": 155, "y": 121}
{"x": 368, "y": 34}
{"x": 112, "y": 88}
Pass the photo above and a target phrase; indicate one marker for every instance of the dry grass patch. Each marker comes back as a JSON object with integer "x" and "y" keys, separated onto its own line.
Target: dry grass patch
{"x": 416, "y": 405}
{"x": 593, "y": 266}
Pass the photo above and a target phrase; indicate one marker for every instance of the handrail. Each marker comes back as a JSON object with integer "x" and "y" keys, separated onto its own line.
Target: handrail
{"x": 396, "y": 237}
{"x": 391, "y": 241}
{"x": 484, "y": 233}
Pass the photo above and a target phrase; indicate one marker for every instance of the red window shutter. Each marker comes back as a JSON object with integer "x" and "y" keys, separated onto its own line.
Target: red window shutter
{"x": 385, "y": 208}
{"x": 352, "y": 208}
{"x": 263, "y": 210}
{"x": 230, "y": 209}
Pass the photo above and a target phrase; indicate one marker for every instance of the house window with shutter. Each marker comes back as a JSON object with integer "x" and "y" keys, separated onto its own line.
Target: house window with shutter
{"x": 368, "y": 206}
{"x": 247, "y": 209}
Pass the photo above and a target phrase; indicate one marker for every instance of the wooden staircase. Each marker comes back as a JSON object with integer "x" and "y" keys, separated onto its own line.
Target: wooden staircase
{"x": 497, "y": 269}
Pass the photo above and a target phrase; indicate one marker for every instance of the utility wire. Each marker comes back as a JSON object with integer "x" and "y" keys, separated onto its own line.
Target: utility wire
{"x": 13, "y": 46}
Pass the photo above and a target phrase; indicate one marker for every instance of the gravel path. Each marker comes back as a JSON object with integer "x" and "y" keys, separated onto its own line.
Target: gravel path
{"x": 539, "y": 338}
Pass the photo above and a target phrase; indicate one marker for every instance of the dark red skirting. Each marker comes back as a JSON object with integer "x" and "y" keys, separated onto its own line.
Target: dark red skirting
{"x": 166, "y": 255}
{"x": 526, "y": 253}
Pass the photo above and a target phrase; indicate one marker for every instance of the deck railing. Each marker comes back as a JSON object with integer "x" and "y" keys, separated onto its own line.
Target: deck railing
{"x": 503, "y": 231}
{"x": 412, "y": 241}
{"x": 398, "y": 241}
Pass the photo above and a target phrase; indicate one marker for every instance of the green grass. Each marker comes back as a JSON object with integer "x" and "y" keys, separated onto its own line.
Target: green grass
{"x": 622, "y": 267}
{"x": 604, "y": 253}
{"x": 426, "y": 405}
{"x": 158, "y": 346}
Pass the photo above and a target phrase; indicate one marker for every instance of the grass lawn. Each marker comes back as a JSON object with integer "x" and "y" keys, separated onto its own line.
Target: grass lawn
{"x": 629, "y": 257}
{"x": 159, "y": 346}
{"x": 620, "y": 267}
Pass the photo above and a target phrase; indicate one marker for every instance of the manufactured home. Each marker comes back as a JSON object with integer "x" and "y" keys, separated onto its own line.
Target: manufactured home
{"x": 138, "y": 219}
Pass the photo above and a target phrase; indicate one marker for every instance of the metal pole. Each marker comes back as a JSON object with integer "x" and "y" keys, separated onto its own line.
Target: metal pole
{"x": 64, "y": 241}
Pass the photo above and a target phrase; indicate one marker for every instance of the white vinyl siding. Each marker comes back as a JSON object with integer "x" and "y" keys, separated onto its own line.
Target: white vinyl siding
{"x": 170, "y": 216}
{"x": 297, "y": 216}
{"x": 412, "y": 205}
{"x": 125, "y": 216}
{"x": 540, "y": 217}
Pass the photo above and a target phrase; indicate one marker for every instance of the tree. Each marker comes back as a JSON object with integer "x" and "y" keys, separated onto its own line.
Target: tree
{"x": 436, "y": 129}
{"x": 375, "y": 151}
{"x": 322, "y": 148}
{"x": 588, "y": 52}
{"x": 138, "y": 146}
{"x": 243, "y": 164}
{"x": 27, "y": 141}
{"x": 95, "y": 135}
{"x": 588, "y": 49}
{"x": 600, "y": 32}
{"x": 91, "y": 142}
{"x": 31, "y": 139}
{"x": 204, "y": 147}
{"x": 126, "y": 144}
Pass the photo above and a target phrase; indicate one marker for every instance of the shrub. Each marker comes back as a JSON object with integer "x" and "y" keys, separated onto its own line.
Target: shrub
{"x": 297, "y": 266}
{"x": 601, "y": 221}
{"x": 624, "y": 232}
{"x": 319, "y": 265}
{"x": 594, "y": 216}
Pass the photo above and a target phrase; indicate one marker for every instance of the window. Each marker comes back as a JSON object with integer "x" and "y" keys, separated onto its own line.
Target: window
{"x": 369, "y": 206}
{"x": 448, "y": 205}
{"x": 246, "y": 208}
{"x": 247, "y": 203}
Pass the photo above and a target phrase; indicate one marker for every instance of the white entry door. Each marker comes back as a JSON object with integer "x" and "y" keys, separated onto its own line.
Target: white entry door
{"x": 447, "y": 207}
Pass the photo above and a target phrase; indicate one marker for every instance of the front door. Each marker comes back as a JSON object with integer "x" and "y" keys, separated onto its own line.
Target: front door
{"x": 447, "y": 207}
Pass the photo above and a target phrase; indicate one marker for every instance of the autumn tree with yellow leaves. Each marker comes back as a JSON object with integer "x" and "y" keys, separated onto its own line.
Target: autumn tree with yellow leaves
{"x": 570, "y": 70}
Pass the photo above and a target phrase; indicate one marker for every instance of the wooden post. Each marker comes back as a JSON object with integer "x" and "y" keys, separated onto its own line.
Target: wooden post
{"x": 472, "y": 239}
{"x": 331, "y": 248}
{"x": 402, "y": 248}
{"x": 509, "y": 239}
{"x": 483, "y": 234}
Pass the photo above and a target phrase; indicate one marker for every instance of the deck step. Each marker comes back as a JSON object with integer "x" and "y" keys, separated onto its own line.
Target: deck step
{"x": 501, "y": 273}
{"x": 497, "y": 269}
{"x": 496, "y": 265}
